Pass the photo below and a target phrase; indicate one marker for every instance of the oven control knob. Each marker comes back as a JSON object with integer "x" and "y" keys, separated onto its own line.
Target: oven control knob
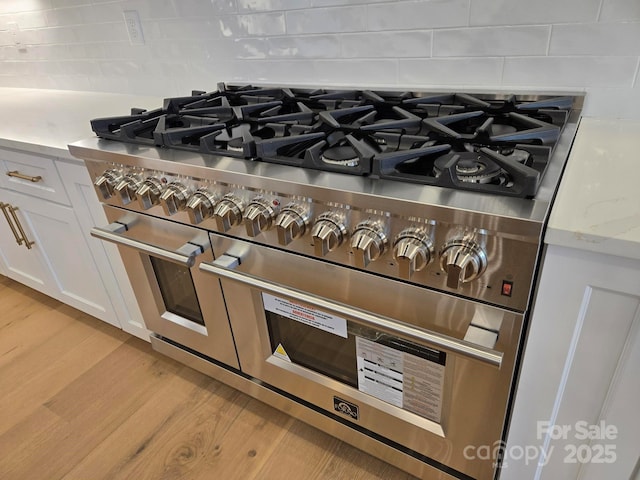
{"x": 149, "y": 193}
{"x": 200, "y": 205}
{"x": 258, "y": 217}
{"x": 291, "y": 223}
{"x": 106, "y": 183}
{"x": 368, "y": 243}
{"x": 228, "y": 212}
{"x": 174, "y": 198}
{"x": 128, "y": 186}
{"x": 328, "y": 233}
{"x": 463, "y": 260}
{"x": 413, "y": 250}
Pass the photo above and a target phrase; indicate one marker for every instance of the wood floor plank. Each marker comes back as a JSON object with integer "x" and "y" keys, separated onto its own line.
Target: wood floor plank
{"x": 247, "y": 445}
{"x": 22, "y": 313}
{"x": 137, "y": 448}
{"x": 42, "y": 372}
{"x": 189, "y": 438}
{"x": 89, "y": 409}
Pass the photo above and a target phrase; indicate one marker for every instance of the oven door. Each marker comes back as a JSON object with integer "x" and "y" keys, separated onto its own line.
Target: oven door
{"x": 177, "y": 301}
{"x": 386, "y": 357}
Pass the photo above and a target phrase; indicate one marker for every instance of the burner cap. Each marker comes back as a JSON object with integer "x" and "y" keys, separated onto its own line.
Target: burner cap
{"x": 471, "y": 168}
{"x": 341, "y": 155}
{"x": 235, "y": 145}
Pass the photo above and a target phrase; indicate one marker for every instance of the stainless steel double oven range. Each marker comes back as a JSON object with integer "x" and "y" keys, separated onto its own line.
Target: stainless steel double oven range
{"x": 364, "y": 260}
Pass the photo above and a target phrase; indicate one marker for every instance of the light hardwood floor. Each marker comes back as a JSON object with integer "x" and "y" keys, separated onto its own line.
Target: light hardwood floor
{"x": 81, "y": 400}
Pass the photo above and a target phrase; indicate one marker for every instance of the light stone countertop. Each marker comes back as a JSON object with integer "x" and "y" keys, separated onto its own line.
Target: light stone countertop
{"x": 46, "y": 121}
{"x": 598, "y": 204}
{"x": 597, "y": 208}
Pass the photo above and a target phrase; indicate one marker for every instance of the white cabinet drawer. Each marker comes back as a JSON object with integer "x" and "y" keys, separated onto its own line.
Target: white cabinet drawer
{"x": 31, "y": 174}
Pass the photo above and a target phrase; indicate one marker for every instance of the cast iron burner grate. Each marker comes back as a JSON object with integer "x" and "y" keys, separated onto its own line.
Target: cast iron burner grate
{"x": 498, "y": 144}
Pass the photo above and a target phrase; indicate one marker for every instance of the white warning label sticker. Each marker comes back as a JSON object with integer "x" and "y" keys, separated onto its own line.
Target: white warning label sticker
{"x": 400, "y": 378}
{"x": 305, "y": 314}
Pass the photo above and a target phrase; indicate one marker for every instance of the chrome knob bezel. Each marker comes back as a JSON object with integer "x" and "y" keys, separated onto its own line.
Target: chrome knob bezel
{"x": 174, "y": 198}
{"x": 259, "y": 216}
{"x": 292, "y": 222}
{"x": 201, "y": 204}
{"x": 328, "y": 232}
{"x": 368, "y": 242}
{"x": 413, "y": 250}
{"x": 148, "y": 194}
{"x": 106, "y": 183}
{"x": 463, "y": 259}
{"x": 128, "y": 186}
{"x": 228, "y": 212}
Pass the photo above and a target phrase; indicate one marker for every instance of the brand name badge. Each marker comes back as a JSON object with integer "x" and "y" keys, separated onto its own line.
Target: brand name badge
{"x": 346, "y": 408}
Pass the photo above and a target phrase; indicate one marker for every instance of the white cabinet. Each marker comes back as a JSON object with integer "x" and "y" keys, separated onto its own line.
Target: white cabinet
{"x": 575, "y": 412}
{"x": 51, "y": 203}
{"x": 89, "y": 213}
{"x": 58, "y": 263}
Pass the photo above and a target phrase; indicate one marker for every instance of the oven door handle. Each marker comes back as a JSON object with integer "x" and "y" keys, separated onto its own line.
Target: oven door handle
{"x": 223, "y": 267}
{"x": 185, "y": 255}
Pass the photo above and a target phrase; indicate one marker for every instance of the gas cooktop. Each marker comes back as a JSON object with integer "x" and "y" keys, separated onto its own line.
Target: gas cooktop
{"x": 497, "y": 144}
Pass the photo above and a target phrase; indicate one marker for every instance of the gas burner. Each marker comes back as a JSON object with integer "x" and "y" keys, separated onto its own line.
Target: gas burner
{"x": 236, "y": 142}
{"x": 484, "y": 170}
{"x": 472, "y": 168}
{"x": 481, "y": 128}
{"x": 336, "y": 152}
{"x": 340, "y": 155}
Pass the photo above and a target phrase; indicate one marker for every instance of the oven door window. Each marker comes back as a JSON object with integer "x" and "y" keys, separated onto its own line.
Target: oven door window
{"x": 177, "y": 289}
{"x": 316, "y": 349}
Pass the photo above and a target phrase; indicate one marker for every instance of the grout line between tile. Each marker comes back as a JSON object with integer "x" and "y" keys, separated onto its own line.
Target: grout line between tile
{"x": 599, "y": 14}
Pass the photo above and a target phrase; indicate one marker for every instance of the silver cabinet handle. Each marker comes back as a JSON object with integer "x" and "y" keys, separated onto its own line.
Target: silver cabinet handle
{"x": 20, "y": 235}
{"x": 185, "y": 255}
{"x": 223, "y": 267}
{"x": 17, "y": 174}
{"x": 3, "y": 207}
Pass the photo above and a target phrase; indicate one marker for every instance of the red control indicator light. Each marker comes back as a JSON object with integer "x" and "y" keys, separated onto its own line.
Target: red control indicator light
{"x": 507, "y": 288}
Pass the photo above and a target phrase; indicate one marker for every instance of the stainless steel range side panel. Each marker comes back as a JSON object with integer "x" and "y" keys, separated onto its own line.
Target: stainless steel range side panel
{"x": 476, "y": 391}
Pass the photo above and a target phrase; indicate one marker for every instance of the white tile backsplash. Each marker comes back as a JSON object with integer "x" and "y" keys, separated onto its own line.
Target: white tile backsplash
{"x": 451, "y": 71}
{"x": 596, "y": 39}
{"x": 491, "y": 41}
{"x": 13, "y": 6}
{"x": 266, "y": 5}
{"x": 526, "y": 12}
{"x": 620, "y": 10}
{"x": 573, "y": 72}
{"x": 387, "y": 44}
{"x": 253, "y": 24}
{"x": 326, "y": 20}
{"x": 418, "y": 15}
{"x": 307, "y": 46}
{"x": 586, "y": 45}
{"x": 64, "y": 16}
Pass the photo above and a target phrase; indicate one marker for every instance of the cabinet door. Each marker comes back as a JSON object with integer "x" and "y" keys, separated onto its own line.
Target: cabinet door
{"x": 59, "y": 263}
{"x": 90, "y": 213}
{"x": 27, "y": 266}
